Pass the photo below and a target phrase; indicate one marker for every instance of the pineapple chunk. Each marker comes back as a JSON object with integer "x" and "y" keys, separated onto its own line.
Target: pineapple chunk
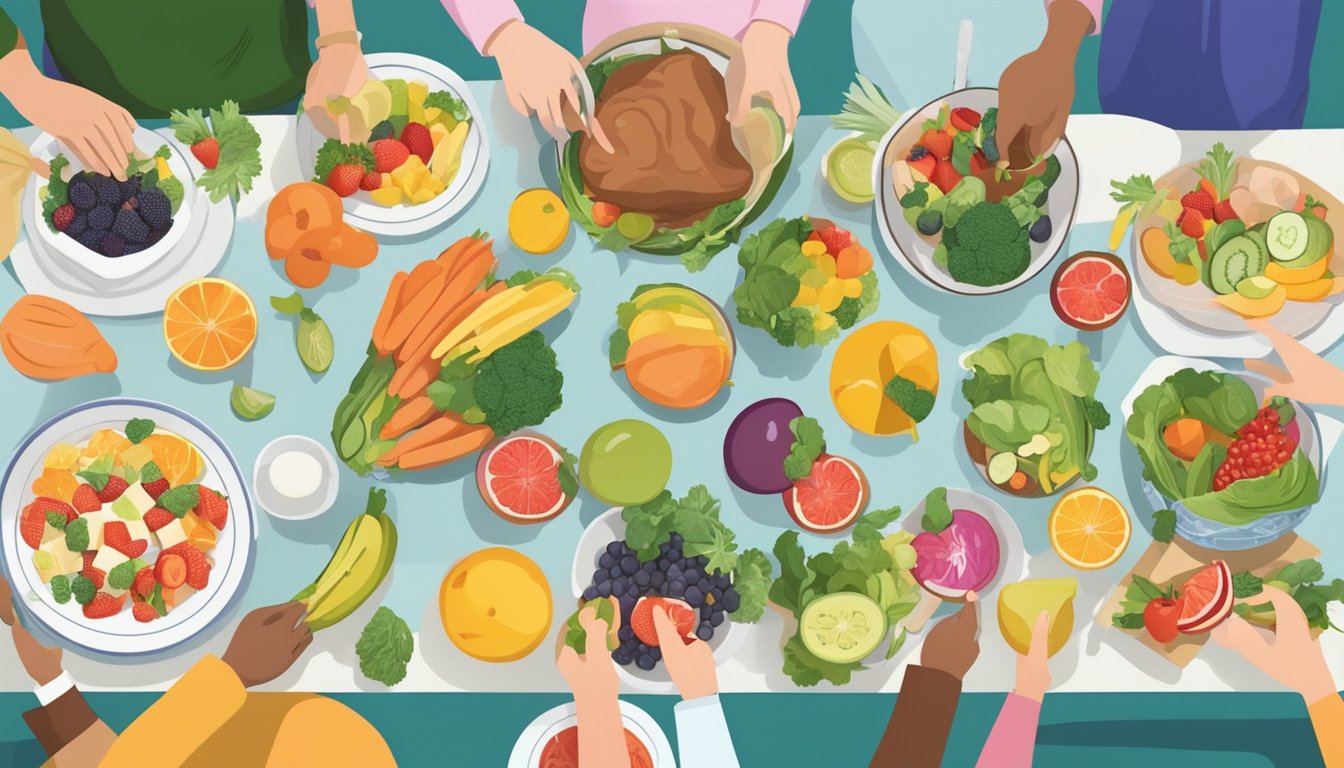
{"x": 434, "y": 184}
{"x": 448, "y": 154}
{"x": 388, "y": 195}
{"x": 55, "y": 559}
{"x": 432, "y": 115}
{"x": 413, "y": 166}
{"x": 171, "y": 534}
{"x": 437, "y": 133}
{"x": 422, "y": 195}
{"x": 416, "y": 93}
{"x": 410, "y": 183}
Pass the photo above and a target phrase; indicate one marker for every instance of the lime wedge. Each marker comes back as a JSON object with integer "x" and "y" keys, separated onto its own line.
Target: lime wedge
{"x": 634, "y": 226}
{"x": 249, "y": 403}
{"x": 849, "y": 170}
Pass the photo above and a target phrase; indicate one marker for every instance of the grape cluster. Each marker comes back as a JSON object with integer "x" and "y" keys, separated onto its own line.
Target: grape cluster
{"x": 621, "y": 575}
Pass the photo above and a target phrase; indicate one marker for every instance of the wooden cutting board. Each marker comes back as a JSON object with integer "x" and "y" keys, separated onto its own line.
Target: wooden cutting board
{"x": 1175, "y": 562}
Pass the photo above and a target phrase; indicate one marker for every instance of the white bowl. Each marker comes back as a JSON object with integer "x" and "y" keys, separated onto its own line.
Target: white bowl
{"x": 606, "y": 528}
{"x": 1012, "y": 558}
{"x": 913, "y": 252}
{"x": 283, "y": 507}
{"x": 94, "y": 264}
{"x": 527, "y": 750}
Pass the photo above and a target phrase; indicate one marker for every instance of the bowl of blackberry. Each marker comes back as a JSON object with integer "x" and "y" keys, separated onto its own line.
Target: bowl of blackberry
{"x": 115, "y": 229}
{"x": 634, "y": 555}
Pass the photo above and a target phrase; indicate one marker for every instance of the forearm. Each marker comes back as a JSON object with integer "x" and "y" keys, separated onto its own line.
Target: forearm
{"x": 334, "y": 16}
{"x": 481, "y": 20}
{"x": 68, "y": 730}
{"x": 785, "y": 13}
{"x": 1327, "y": 720}
{"x": 601, "y": 733}
{"x": 916, "y": 734}
{"x": 1013, "y": 738}
{"x": 20, "y": 80}
{"x": 703, "y": 737}
{"x": 1069, "y": 22}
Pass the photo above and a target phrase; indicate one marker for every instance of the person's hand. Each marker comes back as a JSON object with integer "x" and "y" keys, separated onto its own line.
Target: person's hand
{"x": 1305, "y": 377}
{"x": 1289, "y": 654}
{"x": 340, "y": 70}
{"x": 952, "y": 646}
{"x": 1033, "y": 669}
{"x": 762, "y": 69}
{"x": 267, "y": 642}
{"x": 690, "y": 665}
{"x": 1036, "y": 90}
{"x": 538, "y": 77}
{"x": 592, "y": 675}
{"x": 42, "y": 664}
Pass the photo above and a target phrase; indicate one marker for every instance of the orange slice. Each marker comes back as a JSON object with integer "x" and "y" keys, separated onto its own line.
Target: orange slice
{"x": 104, "y": 442}
{"x": 209, "y": 324}
{"x": 62, "y": 456}
{"x": 177, "y": 458}
{"x": 56, "y": 484}
{"x": 1089, "y": 528}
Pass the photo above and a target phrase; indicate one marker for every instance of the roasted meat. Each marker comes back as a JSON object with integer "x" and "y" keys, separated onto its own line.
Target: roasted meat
{"x": 674, "y": 155}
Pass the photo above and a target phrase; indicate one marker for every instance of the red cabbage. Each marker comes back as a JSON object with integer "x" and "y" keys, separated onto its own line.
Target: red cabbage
{"x": 963, "y": 556}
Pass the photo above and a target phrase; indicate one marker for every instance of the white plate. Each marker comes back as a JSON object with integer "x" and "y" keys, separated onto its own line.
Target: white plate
{"x": 1012, "y": 552}
{"x": 527, "y": 750}
{"x": 122, "y": 635}
{"x": 606, "y": 528}
{"x": 915, "y": 254}
{"x": 407, "y": 220}
{"x": 197, "y": 255}
{"x": 283, "y": 507}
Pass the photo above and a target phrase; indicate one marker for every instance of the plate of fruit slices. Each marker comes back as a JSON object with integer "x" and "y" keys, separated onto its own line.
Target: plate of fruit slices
{"x": 405, "y": 217}
{"x": 535, "y": 745}
{"x": 89, "y": 439}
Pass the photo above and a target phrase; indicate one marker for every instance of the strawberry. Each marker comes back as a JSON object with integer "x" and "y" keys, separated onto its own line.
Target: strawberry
{"x": 835, "y": 238}
{"x": 86, "y": 499}
{"x": 32, "y": 524}
{"x": 113, "y": 490}
{"x": 945, "y": 177}
{"x": 170, "y": 569}
{"x": 198, "y": 569}
{"x": 1191, "y": 222}
{"x": 144, "y": 582}
{"x": 921, "y": 162}
{"x": 61, "y": 217}
{"x": 1199, "y": 200}
{"x": 641, "y": 618}
{"x": 389, "y": 154}
{"x": 1223, "y": 212}
{"x": 116, "y": 536}
{"x": 157, "y": 517}
{"x": 418, "y": 141}
{"x": 213, "y": 508}
{"x": 371, "y": 181}
{"x": 964, "y": 119}
{"x": 345, "y": 179}
{"x": 144, "y": 612}
{"x": 938, "y": 144}
{"x": 156, "y": 488}
{"x": 207, "y": 151}
{"x": 96, "y": 575}
{"x": 103, "y": 605}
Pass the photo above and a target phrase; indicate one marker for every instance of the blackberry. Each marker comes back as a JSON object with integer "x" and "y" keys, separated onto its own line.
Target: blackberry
{"x": 108, "y": 191}
{"x": 155, "y": 208}
{"x": 113, "y": 245}
{"x": 91, "y": 239}
{"x": 130, "y": 187}
{"x": 77, "y": 225}
{"x": 101, "y": 218}
{"x": 155, "y": 235}
{"x": 134, "y": 248}
{"x": 130, "y": 226}
{"x": 81, "y": 194}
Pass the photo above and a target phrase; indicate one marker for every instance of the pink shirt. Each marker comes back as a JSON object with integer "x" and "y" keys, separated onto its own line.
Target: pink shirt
{"x": 1092, "y": 5}
{"x": 478, "y": 19}
{"x": 1013, "y": 739}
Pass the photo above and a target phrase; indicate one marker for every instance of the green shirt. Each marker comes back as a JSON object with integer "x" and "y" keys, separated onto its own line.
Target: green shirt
{"x": 9, "y": 34}
{"x": 152, "y": 56}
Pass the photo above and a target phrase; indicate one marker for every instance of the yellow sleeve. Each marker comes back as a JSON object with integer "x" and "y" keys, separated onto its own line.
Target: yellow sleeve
{"x": 1327, "y": 720}
{"x": 182, "y": 719}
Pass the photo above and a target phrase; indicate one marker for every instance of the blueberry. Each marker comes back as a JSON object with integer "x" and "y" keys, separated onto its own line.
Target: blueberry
{"x": 674, "y": 571}
{"x": 616, "y": 548}
{"x": 706, "y": 611}
{"x": 627, "y": 607}
{"x": 1040, "y": 231}
{"x": 694, "y": 596}
{"x": 664, "y": 564}
{"x": 692, "y": 575}
{"x": 645, "y": 662}
{"x": 625, "y": 633}
{"x": 629, "y": 564}
{"x": 657, "y": 579}
{"x": 705, "y": 632}
{"x": 590, "y": 593}
{"x": 676, "y": 540}
{"x": 632, "y": 590}
{"x": 650, "y": 566}
{"x": 643, "y": 648}
{"x": 622, "y": 656}
{"x": 674, "y": 555}
{"x": 716, "y": 593}
{"x": 604, "y": 588}
{"x": 731, "y": 600}
{"x": 656, "y": 653}
{"x": 642, "y": 578}
{"x": 676, "y": 588}
{"x": 615, "y": 572}
{"x": 703, "y": 584}
{"x": 662, "y": 548}
{"x": 606, "y": 561}
{"x": 81, "y": 194}
{"x": 716, "y": 618}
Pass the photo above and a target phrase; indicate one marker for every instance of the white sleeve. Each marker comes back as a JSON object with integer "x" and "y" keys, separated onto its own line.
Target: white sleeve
{"x": 703, "y": 740}
{"x": 53, "y": 690}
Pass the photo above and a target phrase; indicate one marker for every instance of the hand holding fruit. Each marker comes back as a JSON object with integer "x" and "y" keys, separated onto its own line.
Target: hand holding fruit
{"x": 340, "y": 70}
{"x": 1291, "y": 655}
{"x": 952, "y": 646}
{"x": 1033, "y": 669}
{"x": 591, "y": 676}
{"x": 1036, "y": 90}
{"x": 762, "y": 68}
{"x": 690, "y": 665}
{"x": 1306, "y": 376}
{"x": 267, "y": 642}
{"x": 538, "y": 78}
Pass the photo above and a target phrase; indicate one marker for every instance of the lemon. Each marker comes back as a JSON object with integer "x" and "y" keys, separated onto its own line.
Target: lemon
{"x": 538, "y": 221}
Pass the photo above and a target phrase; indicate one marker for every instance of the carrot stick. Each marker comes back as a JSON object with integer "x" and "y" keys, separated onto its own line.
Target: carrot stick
{"x": 406, "y": 320}
{"x": 475, "y": 249}
{"x": 389, "y": 308}
{"x": 439, "y": 429}
{"x": 468, "y": 305}
{"x": 409, "y": 415}
{"x": 459, "y": 287}
{"x": 416, "y": 281}
{"x": 452, "y": 253}
{"x": 451, "y": 449}
{"x": 409, "y": 381}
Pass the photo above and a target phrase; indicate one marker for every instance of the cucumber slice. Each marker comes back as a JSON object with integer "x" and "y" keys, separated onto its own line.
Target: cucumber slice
{"x": 1320, "y": 239}
{"x": 843, "y": 627}
{"x": 1238, "y": 258}
{"x": 1001, "y": 467}
{"x": 1286, "y": 235}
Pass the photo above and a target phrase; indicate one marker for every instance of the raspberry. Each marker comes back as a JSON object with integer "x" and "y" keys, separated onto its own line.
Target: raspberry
{"x": 63, "y": 216}
{"x": 1199, "y": 200}
{"x": 143, "y": 612}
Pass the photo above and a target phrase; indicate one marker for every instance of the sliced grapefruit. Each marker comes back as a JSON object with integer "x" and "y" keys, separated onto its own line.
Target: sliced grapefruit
{"x": 830, "y": 498}
{"x": 1208, "y": 599}
{"x": 681, "y": 613}
{"x": 519, "y": 478}
{"x": 1091, "y": 290}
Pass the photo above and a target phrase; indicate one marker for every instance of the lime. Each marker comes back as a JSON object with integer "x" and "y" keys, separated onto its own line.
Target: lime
{"x": 849, "y": 170}
{"x": 634, "y": 226}
{"x": 626, "y": 462}
{"x": 249, "y": 403}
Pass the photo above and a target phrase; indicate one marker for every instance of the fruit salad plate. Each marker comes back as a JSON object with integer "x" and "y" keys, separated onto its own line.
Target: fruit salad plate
{"x": 449, "y": 195}
{"x": 1275, "y": 258}
{"x": 915, "y": 237}
{"x": 555, "y": 725}
{"x": 90, "y": 436}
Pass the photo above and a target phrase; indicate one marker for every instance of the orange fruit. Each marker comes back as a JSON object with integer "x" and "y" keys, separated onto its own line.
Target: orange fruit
{"x": 209, "y": 324}
{"x": 1089, "y": 528}
{"x": 104, "y": 442}
{"x": 56, "y": 484}
{"x": 866, "y": 361}
{"x": 62, "y": 456}
{"x": 176, "y": 456}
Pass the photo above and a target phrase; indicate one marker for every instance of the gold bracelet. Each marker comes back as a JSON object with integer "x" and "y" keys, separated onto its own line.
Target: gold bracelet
{"x": 337, "y": 38}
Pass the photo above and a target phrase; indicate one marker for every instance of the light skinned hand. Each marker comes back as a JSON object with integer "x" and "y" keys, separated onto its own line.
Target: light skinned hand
{"x": 1289, "y": 654}
{"x": 538, "y": 77}
{"x": 1306, "y": 376}
{"x": 690, "y": 665}
{"x": 1036, "y": 90}
{"x": 42, "y": 664}
{"x": 1033, "y": 669}
{"x": 592, "y": 675}
{"x": 340, "y": 70}
{"x": 953, "y": 645}
{"x": 267, "y": 642}
{"x": 762, "y": 69}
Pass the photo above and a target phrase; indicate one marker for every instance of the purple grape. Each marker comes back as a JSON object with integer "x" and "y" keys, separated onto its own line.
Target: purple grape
{"x": 705, "y": 631}
{"x": 627, "y": 607}
{"x": 676, "y": 588}
{"x": 731, "y": 600}
{"x": 615, "y": 572}
{"x": 606, "y": 560}
{"x": 590, "y": 593}
{"x": 616, "y": 548}
{"x": 716, "y": 618}
{"x": 657, "y": 580}
{"x": 645, "y": 662}
{"x": 629, "y": 564}
{"x": 642, "y": 578}
{"x": 694, "y": 596}
{"x": 604, "y": 588}
{"x": 625, "y": 633}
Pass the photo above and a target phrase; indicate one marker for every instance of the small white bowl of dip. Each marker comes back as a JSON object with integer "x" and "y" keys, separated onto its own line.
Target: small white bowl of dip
{"x": 295, "y": 478}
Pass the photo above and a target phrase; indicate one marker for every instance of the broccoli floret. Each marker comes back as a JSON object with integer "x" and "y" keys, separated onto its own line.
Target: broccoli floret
{"x": 60, "y": 589}
{"x": 1051, "y": 173}
{"x": 518, "y": 385}
{"x": 57, "y": 189}
{"x": 171, "y": 188}
{"x": 916, "y": 401}
{"x": 917, "y": 197}
{"x": 847, "y": 314}
{"x": 83, "y": 589}
{"x": 448, "y": 103}
{"x": 1096, "y": 413}
{"x": 987, "y": 246}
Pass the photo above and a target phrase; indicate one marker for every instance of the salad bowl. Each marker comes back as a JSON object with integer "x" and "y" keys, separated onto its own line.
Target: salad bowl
{"x": 527, "y": 751}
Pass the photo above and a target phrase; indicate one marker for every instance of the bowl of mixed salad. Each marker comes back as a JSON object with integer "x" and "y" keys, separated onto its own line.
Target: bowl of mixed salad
{"x": 113, "y": 229}
{"x": 953, "y": 212}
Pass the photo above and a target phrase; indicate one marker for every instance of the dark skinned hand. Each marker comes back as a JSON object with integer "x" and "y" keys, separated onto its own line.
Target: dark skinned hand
{"x": 42, "y": 664}
{"x": 1036, "y": 90}
{"x": 952, "y": 645}
{"x": 267, "y": 643}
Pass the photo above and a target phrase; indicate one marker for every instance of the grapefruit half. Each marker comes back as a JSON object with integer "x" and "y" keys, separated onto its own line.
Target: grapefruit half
{"x": 519, "y": 478}
{"x": 1208, "y": 599}
{"x": 1091, "y": 290}
{"x": 830, "y": 498}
